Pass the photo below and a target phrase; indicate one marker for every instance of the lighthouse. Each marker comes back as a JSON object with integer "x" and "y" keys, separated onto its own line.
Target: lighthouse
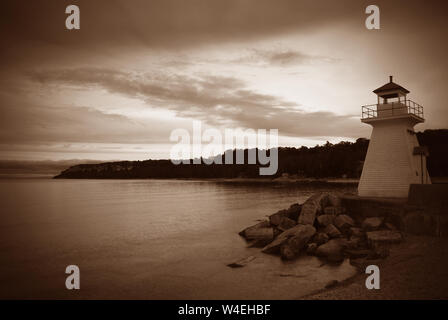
{"x": 394, "y": 158}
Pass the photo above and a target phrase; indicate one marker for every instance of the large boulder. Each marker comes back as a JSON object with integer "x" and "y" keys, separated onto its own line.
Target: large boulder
{"x": 276, "y": 218}
{"x": 293, "y": 211}
{"x": 312, "y": 207}
{"x": 286, "y": 223}
{"x": 372, "y": 223}
{"x": 320, "y": 238}
{"x": 355, "y": 242}
{"x": 332, "y": 231}
{"x": 321, "y": 199}
{"x": 390, "y": 226}
{"x": 334, "y": 199}
{"x": 308, "y": 213}
{"x": 333, "y": 250}
{"x": 325, "y": 219}
{"x": 343, "y": 222}
{"x": 260, "y": 234}
{"x": 294, "y": 245}
{"x": 380, "y": 238}
{"x": 356, "y": 232}
{"x": 252, "y": 230}
{"x": 274, "y": 246}
{"x": 334, "y": 210}
{"x": 298, "y": 230}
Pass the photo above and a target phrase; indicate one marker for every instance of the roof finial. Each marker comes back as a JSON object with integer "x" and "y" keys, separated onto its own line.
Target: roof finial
{"x": 390, "y": 78}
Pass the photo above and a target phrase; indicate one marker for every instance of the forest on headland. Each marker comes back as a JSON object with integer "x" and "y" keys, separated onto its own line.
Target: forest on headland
{"x": 341, "y": 160}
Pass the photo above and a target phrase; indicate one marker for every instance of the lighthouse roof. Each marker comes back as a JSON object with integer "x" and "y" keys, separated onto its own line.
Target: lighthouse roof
{"x": 390, "y": 86}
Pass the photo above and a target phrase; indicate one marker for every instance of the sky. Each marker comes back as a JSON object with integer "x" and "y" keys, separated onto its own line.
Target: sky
{"x": 137, "y": 70}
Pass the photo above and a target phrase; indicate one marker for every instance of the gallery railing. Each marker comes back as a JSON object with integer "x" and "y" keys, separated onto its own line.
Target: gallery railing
{"x": 392, "y": 109}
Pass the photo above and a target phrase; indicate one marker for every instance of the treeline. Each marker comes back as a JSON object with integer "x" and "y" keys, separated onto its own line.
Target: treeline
{"x": 344, "y": 159}
{"x": 437, "y": 143}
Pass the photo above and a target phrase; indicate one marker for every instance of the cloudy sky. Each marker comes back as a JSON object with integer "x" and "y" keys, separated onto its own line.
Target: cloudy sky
{"x": 136, "y": 70}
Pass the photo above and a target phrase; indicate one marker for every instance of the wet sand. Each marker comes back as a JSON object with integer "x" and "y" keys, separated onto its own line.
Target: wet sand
{"x": 415, "y": 269}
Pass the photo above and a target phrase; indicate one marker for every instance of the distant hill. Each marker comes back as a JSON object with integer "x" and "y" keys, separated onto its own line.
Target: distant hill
{"x": 41, "y": 167}
{"x": 343, "y": 159}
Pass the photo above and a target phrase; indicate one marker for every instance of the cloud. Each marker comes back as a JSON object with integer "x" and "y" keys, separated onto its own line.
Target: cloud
{"x": 281, "y": 58}
{"x": 218, "y": 100}
{"x": 24, "y": 121}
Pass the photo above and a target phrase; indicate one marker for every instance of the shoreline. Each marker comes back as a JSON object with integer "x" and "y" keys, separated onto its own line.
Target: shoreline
{"x": 280, "y": 180}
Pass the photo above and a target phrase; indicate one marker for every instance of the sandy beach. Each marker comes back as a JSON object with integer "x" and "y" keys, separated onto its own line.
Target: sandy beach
{"x": 415, "y": 269}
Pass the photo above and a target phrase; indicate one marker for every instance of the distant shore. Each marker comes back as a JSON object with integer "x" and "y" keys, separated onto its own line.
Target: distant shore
{"x": 282, "y": 180}
{"x": 47, "y": 175}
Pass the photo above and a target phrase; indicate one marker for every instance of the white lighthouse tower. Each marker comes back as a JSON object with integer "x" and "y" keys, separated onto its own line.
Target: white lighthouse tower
{"x": 394, "y": 159}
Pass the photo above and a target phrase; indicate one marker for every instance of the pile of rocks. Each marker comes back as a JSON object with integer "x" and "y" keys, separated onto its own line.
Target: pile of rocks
{"x": 322, "y": 226}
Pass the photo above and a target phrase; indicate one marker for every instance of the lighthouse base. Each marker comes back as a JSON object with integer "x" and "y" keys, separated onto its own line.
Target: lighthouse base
{"x": 390, "y": 166}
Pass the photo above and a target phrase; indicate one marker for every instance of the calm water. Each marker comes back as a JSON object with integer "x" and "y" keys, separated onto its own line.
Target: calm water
{"x": 155, "y": 239}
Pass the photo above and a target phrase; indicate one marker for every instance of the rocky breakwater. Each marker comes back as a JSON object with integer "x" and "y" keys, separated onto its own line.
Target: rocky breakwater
{"x": 321, "y": 226}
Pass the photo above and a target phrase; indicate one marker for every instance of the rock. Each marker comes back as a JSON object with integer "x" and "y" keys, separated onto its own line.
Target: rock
{"x": 277, "y": 232}
{"x": 275, "y": 245}
{"x": 287, "y": 252}
{"x": 324, "y": 198}
{"x": 294, "y": 211}
{"x": 383, "y": 237}
{"x": 251, "y": 229}
{"x": 356, "y": 232}
{"x": 325, "y": 219}
{"x": 259, "y": 235}
{"x": 334, "y": 200}
{"x": 354, "y": 242}
{"x": 311, "y": 248}
{"x": 263, "y": 234}
{"x": 343, "y": 222}
{"x": 321, "y": 199}
{"x": 286, "y": 223}
{"x": 320, "y": 238}
{"x": 308, "y": 213}
{"x": 332, "y": 250}
{"x": 390, "y": 226}
{"x": 241, "y": 263}
{"x": 334, "y": 210}
{"x": 332, "y": 231}
{"x": 312, "y": 207}
{"x": 261, "y": 243}
{"x": 331, "y": 284}
{"x": 372, "y": 223}
{"x": 294, "y": 245}
{"x": 276, "y": 218}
